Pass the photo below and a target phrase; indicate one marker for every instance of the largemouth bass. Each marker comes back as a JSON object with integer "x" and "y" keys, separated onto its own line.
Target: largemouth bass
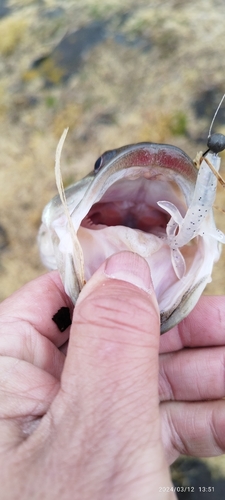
{"x": 146, "y": 198}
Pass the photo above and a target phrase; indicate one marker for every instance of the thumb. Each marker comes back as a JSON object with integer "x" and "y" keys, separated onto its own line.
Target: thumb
{"x": 110, "y": 376}
{"x": 115, "y": 331}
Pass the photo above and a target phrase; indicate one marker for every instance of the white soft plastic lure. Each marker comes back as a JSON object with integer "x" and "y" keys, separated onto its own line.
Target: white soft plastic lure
{"x": 181, "y": 230}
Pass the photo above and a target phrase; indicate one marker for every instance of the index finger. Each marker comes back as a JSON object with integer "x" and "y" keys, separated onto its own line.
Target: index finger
{"x": 204, "y": 326}
{"x": 36, "y": 303}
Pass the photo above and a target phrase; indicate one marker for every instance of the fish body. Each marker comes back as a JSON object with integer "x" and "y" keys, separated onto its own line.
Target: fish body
{"x": 143, "y": 198}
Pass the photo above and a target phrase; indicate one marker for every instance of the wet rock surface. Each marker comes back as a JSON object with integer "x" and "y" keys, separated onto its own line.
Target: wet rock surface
{"x": 194, "y": 480}
{"x": 115, "y": 73}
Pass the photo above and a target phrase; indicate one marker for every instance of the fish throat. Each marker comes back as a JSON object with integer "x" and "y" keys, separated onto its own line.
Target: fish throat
{"x": 130, "y": 204}
{"x": 128, "y": 217}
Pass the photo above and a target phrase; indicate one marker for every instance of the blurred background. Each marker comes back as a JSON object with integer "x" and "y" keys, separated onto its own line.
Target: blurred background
{"x": 115, "y": 73}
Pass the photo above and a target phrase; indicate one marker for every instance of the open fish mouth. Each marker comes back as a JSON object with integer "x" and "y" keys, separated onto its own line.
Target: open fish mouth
{"x": 138, "y": 198}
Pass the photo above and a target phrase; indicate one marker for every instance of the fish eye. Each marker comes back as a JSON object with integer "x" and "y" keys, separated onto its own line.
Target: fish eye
{"x": 216, "y": 143}
{"x": 98, "y": 164}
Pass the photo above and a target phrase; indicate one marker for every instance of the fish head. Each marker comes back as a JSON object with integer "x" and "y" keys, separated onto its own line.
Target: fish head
{"x": 117, "y": 208}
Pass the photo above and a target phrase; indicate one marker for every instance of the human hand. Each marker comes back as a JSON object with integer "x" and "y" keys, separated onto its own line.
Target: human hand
{"x": 87, "y": 426}
{"x": 192, "y": 382}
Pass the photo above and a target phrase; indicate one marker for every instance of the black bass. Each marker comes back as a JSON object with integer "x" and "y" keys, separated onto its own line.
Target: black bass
{"x": 146, "y": 198}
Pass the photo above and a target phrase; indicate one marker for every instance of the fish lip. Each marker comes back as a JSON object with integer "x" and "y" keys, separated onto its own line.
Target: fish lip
{"x": 163, "y": 154}
{"x": 169, "y": 318}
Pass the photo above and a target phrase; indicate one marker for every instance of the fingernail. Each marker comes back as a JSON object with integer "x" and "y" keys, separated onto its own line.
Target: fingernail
{"x": 130, "y": 267}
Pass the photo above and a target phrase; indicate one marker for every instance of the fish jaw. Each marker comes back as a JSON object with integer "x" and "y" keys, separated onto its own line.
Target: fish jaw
{"x": 117, "y": 209}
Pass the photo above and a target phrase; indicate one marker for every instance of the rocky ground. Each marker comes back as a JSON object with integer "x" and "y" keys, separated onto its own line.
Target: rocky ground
{"x": 115, "y": 73}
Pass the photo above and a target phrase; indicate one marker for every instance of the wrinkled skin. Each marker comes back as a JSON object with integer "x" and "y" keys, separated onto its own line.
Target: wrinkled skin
{"x": 95, "y": 413}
